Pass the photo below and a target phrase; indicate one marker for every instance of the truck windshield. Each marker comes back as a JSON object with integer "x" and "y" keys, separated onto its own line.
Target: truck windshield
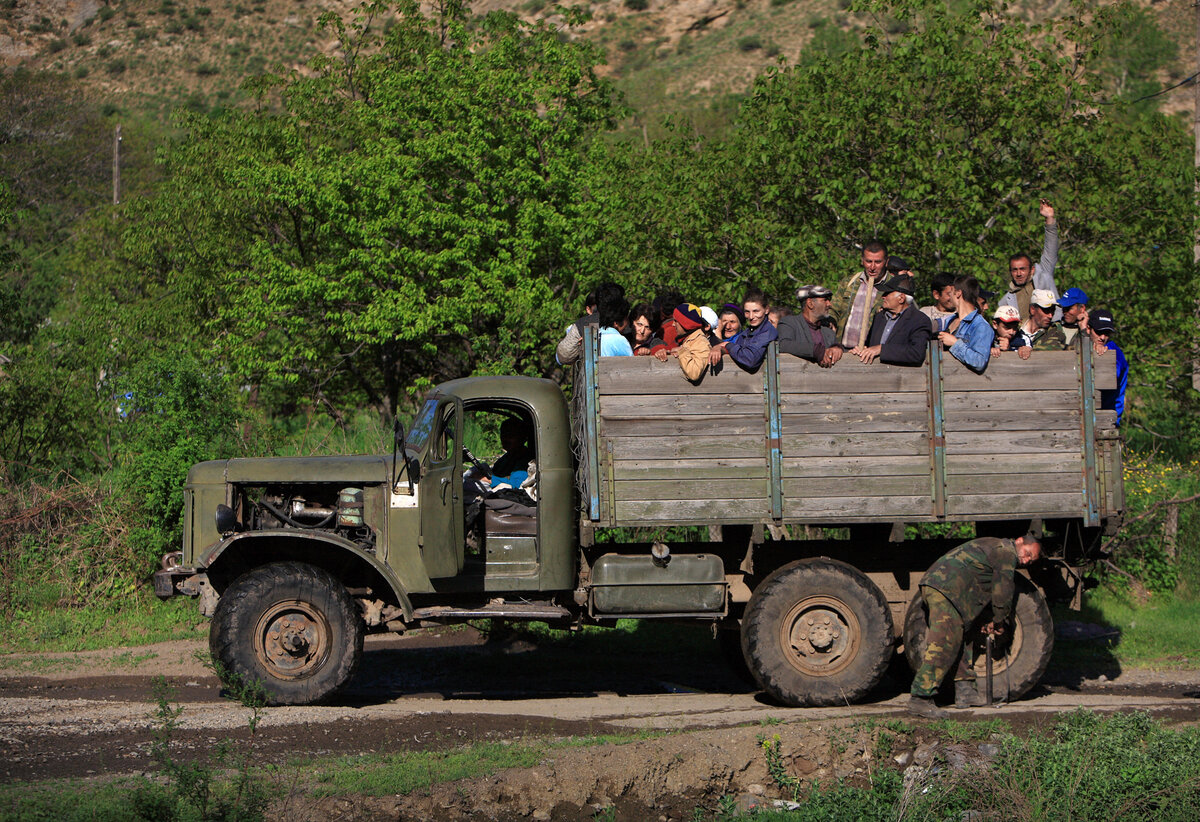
{"x": 422, "y": 426}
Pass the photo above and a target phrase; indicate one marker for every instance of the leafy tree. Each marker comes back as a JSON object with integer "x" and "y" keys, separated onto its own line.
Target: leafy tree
{"x": 940, "y": 139}
{"x": 410, "y": 210}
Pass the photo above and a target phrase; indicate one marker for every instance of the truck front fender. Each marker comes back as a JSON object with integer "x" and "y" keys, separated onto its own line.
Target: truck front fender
{"x": 228, "y": 559}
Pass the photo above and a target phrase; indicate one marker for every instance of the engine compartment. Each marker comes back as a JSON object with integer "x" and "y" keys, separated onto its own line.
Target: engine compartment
{"x": 299, "y": 506}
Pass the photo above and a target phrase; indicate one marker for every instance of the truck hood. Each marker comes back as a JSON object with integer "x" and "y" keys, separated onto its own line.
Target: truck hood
{"x": 360, "y": 469}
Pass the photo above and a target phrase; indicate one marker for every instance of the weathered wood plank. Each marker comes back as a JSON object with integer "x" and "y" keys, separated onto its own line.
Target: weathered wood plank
{"x": 713, "y": 469}
{"x": 1104, "y": 370}
{"x": 850, "y": 488}
{"x": 1045, "y": 369}
{"x": 1050, "y": 399}
{"x": 853, "y": 445}
{"x": 646, "y": 375}
{"x": 849, "y": 376}
{"x": 856, "y": 422}
{"x": 679, "y": 405}
{"x": 1014, "y": 483}
{"x": 1106, "y": 419}
{"x": 795, "y": 467}
{"x": 672, "y": 511}
{"x": 901, "y": 401}
{"x": 991, "y": 442}
{"x": 1013, "y": 462}
{"x": 1025, "y": 420}
{"x": 698, "y": 426}
{"x": 652, "y": 448}
{"x": 837, "y": 508}
{"x": 1022, "y": 505}
{"x": 749, "y": 491}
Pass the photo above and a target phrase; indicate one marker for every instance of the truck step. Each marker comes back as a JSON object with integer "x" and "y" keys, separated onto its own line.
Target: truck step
{"x": 513, "y": 610}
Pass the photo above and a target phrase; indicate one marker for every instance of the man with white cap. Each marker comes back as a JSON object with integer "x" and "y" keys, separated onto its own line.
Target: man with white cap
{"x": 1041, "y": 329}
{"x": 1009, "y": 336}
{"x": 1026, "y": 276}
{"x": 803, "y": 335}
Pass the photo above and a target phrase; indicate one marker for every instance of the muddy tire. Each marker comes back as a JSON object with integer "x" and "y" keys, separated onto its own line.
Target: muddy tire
{"x": 817, "y": 632}
{"x": 291, "y": 627}
{"x": 1019, "y": 658}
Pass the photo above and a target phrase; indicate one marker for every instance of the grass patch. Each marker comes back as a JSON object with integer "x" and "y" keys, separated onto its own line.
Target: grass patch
{"x": 1159, "y": 634}
{"x": 141, "y": 621}
{"x": 958, "y": 731}
{"x": 70, "y": 800}
{"x": 405, "y": 772}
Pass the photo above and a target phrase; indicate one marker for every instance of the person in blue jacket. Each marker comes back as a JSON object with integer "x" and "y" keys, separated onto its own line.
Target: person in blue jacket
{"x": 748, "y": 347}
{"x": 1101, "y": 327}
{"x": 969, "y": 335}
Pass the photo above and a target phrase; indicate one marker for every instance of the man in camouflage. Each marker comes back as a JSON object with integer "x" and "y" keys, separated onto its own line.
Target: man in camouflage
{"x": 956, "y": 591}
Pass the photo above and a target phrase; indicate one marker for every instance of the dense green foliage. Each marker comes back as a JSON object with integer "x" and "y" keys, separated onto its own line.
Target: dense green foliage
{"x": 432, "y": 200}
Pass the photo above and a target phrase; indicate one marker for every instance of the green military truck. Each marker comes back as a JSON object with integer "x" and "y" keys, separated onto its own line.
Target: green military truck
{"x": 772, "y": 505}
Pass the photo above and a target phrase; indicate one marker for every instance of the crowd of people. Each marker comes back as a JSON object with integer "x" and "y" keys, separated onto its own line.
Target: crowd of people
{"x": 871, "y": 316}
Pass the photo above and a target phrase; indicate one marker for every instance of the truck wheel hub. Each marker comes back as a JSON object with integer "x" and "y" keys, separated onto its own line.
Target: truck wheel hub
{"x": 820, "y": 634}
{"x": 293, "y": 639}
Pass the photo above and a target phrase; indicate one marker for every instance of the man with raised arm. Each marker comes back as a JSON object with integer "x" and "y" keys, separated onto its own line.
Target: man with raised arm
{"x": 1025, "y": 275}
{"x": 957, "y": 590}
{"x": 856, "y": 300}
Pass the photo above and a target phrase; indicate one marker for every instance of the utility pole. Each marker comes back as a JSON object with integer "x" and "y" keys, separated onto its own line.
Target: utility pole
{"x": 117, "y": 166}
{"x": 1196, "y": 202}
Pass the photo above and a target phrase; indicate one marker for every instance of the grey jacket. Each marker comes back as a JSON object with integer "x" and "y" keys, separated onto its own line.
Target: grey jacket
{"x": 795, "y": 337}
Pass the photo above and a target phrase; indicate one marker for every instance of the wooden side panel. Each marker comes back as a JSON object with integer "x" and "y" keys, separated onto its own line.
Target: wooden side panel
{"x": 679, "y": 453}
{"x": 855, "y": 441}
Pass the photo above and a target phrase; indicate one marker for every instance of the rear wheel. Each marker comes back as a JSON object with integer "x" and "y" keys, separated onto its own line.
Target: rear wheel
{"x": 1019, "y": 658}
{"x": 291, "y": 627}
{"x": 817, "y": 632}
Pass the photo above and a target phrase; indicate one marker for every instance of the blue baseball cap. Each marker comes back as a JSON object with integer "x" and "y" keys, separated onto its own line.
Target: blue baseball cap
{"x": 1073, "y": 296}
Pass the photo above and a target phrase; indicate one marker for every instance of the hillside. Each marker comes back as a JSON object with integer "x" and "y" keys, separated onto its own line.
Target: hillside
{"x": 667, "y": 55}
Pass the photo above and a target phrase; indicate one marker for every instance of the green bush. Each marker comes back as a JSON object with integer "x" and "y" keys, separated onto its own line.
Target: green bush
{"x": 177, "y": 413}
{"x": 116, "y": 67}
{"x": 637, "y": 5}
{"x": 57, "y": 45}
{"x": 751, "y": 42}
{"x": 81, "y": 39}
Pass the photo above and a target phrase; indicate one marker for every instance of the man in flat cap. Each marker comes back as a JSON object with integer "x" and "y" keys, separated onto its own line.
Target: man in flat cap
{"x": 900, "y": 333}
{"x": 803, "y": 335}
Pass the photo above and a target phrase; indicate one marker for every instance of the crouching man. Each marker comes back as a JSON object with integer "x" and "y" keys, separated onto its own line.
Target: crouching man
{"x": 956, "y": 591}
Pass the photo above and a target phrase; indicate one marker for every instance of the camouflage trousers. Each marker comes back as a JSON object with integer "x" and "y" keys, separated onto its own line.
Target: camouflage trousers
{"x": 943, "y": 646}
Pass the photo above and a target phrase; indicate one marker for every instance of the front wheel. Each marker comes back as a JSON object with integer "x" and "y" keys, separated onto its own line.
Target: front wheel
{"x": 817, "y": 632}
{"x": 1019, "y": 658}
{"x": 290, "y": 626}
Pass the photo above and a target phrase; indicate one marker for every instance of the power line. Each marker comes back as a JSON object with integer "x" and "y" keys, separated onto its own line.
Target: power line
{"x": 1182, "y": 82}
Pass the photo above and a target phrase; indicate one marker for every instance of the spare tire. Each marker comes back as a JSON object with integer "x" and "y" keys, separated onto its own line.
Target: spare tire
{"x": 1019, "y": 658}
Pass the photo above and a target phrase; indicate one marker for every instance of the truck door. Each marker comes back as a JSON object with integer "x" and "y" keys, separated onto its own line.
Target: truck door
{"x": 441, "y": 497}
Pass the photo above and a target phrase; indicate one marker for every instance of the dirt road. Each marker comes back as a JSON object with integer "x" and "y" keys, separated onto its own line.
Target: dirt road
{"x": 90, "y": 713}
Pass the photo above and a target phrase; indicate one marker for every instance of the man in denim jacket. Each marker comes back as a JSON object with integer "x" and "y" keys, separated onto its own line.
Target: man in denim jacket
{"x": 969, "y": 335}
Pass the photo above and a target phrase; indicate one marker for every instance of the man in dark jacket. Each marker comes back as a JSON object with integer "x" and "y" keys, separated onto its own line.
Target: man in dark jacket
{"x": 956, "y": 591}
{"x": 900, "y": 333}
{"x": 803, "y": 335}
